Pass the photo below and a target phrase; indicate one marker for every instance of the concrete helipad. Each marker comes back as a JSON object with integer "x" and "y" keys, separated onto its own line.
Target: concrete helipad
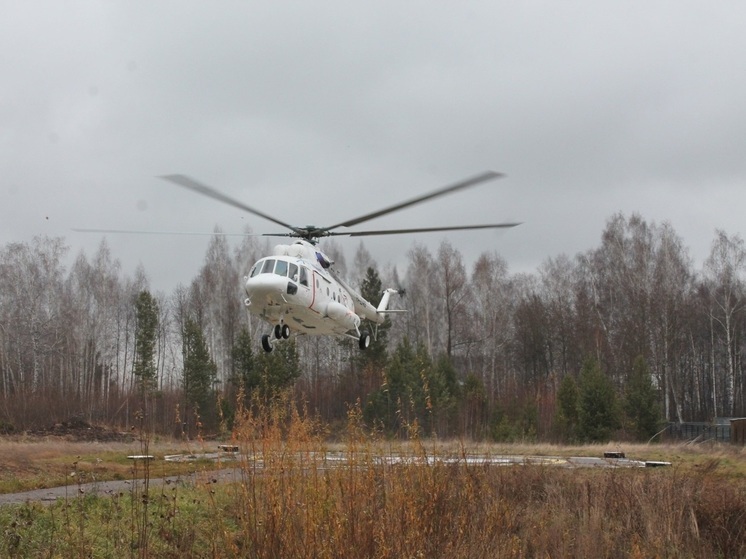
{"x": 325, "y": 460}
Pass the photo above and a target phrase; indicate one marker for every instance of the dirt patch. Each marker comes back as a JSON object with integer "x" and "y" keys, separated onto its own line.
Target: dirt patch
{"x": 76, "y": 429}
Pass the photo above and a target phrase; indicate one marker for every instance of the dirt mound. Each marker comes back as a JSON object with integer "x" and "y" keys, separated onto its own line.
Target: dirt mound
{"x": 77, "y": 429}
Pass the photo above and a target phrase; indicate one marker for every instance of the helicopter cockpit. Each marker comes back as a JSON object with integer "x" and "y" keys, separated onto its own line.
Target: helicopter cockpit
{"x": 283, "y": 268}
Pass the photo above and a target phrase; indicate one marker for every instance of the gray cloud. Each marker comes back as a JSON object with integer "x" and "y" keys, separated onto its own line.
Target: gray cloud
{"x": 317, "y": 112}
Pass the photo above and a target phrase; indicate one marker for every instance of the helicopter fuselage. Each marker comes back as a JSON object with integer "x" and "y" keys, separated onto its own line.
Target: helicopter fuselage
{"x": 295, "y": 291}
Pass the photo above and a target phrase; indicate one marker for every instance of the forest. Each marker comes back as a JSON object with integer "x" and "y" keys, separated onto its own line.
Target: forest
{"x": 615, "y": 342}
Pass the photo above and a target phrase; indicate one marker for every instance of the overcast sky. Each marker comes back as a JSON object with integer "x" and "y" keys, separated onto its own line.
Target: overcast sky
{"x": 316, "y": 112}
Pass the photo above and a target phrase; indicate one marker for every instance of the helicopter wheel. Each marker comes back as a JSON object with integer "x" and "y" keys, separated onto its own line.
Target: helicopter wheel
{"x": 285, "y": 331}
{"x": 364, "y": 341}
{"x": 266, "y": 343}
{"x": 278, "y": 331}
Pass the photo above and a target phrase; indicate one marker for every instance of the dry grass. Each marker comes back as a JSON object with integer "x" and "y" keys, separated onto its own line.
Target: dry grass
{"x": 38, "y": 463}
{"x": 290, "y": 501}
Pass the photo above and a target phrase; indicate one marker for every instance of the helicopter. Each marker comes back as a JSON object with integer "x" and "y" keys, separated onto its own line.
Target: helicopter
{"x": 296, "y": 289}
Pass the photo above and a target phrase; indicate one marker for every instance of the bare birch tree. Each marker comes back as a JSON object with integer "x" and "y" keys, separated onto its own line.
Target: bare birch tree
{"x": 724, "y": 275}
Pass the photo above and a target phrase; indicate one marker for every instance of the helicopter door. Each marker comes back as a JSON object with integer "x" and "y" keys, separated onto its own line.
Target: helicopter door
{"x": 318, "y": 299}
{"x": 303, "y": 277}
{"x": 304, "y": 284}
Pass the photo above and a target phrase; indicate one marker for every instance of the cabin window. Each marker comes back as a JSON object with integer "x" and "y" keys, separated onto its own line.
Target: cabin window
{"x": 268, "y": 266}
{"x": 281, "y": 269}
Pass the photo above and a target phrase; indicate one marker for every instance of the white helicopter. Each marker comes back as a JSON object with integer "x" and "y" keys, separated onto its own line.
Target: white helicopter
{"x": 296, "y": 289}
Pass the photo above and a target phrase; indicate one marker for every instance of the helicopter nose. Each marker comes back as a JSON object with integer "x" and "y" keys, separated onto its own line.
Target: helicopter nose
{"x": 265, "y": 285}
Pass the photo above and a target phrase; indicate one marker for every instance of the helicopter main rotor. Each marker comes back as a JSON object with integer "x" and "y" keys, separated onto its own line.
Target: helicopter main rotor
{"x": 311, "y": 232}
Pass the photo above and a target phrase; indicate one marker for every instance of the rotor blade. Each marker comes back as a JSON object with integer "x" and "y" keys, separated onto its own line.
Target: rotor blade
{"x": 293, "y": 234}
{"x": 421, "y": 230}
{"x": 191, "y": 184}
{"x": 136, "y": 232}
{"x": 489, "y": 175}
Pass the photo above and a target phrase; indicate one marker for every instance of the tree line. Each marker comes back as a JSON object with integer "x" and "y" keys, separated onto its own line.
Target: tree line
{"x": 615, "y": 341}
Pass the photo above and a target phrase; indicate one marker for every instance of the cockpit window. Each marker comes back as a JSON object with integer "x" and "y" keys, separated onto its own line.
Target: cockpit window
{"x": 303, "y": 276}
{"x": 293, "y": 272}
{"x": 268, "y": 266}
{"x": 281, "y": 269}
{"x": 255, "y": 269}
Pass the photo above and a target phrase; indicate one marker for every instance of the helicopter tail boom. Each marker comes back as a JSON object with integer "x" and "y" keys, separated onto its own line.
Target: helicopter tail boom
{"x": 384, "y": 304}
{"x": 378, "y": 314}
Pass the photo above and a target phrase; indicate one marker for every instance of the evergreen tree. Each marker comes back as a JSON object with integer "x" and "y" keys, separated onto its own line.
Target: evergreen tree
{"x": 415, "y": 389}
{"x": 144, "y": 368}
{"x": 444, "y": 394}
{"x": 400, "y": 396}
{"x": 515, "y": 420}
{"x": 200, "y": 373}
{"x": 245, "y": 373}
{"x": 277, "y": 370}
{"x": 567, "y": 418}
{"x": 598, "y": 415}
{"x": 365, "y": 368}
{"x": 641, "y": 402}
{"x": 377, "y": 353}
{"x": 474, "y": 408}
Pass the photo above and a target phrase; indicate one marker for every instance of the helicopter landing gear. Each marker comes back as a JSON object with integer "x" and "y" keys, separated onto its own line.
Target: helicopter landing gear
{"x": 266, "y": 343}
{"x": 279, "y": 332}
{"x": 282, "y": 331}
{"x": 364, "y": 341}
